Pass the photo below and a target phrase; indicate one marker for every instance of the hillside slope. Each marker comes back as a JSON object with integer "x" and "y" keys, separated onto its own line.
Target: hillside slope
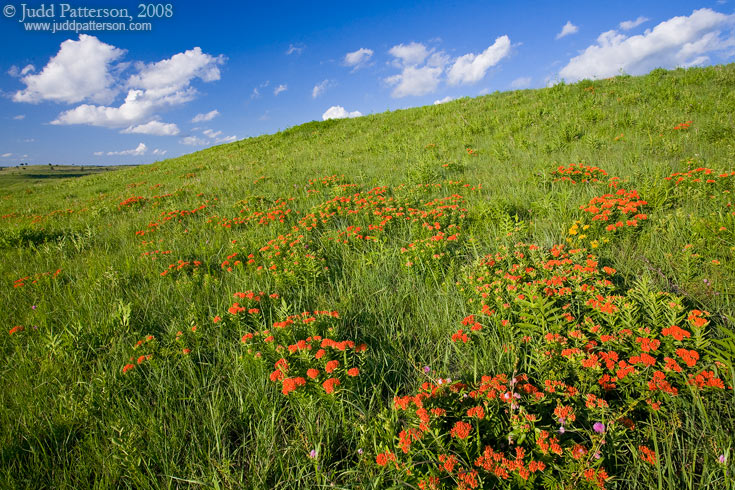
{"x": 537, "y": 245}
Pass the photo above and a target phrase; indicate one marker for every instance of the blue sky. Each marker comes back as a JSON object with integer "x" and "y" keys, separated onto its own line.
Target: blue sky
{"x": 213, "y": 74}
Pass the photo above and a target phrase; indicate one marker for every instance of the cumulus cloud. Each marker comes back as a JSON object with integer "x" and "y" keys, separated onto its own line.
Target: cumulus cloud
{"x": 205, "y": 116}
{"x": 521, "y": 82}
{"x": 568, "y": 29}
{"x": 157, "y": 128}
{"x": 631, "y": 24}
{"x": 174, "y": 74}
{"x": 415, "y": 81}
{"x": 444, "y": 100}
{"x": 279, "y": 89}
{"x": 471, "y": 67}
{"x": 138, "y": 151}
{"x": 79, "y": 71}
{"x": 679, "y": 41}
{"x": 358, "y": 59}
{"x": 422, "y": 69}
{"x": 410, "y": 54}
{"x": 339, "y": 112}
{"x": 319, "y": 88}
{"x": 89, "y": 71}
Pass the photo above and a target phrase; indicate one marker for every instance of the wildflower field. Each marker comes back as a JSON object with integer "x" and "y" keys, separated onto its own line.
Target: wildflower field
{"x": 530, "y": 289}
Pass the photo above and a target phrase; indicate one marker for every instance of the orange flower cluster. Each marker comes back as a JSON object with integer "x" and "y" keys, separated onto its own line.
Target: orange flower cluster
{"x": 309, "y": 361}
{"x": 176, "y": 216}
{"x": 612, "y": 355}
{"x": 182, "y": 265}
{"x": 280, "y": 212}
{"x": 683, "y": 126}
{"x": 441, "y": 245}
{"x": 132, "y": 201}
{"x": 19, "y": 283}
{"x": 699, "y": 175}
{"x": 496, "y": 405}
{"x": 579, "y": 173}
{"x": 154, "y": 254}
{"x": 603, "y": 208}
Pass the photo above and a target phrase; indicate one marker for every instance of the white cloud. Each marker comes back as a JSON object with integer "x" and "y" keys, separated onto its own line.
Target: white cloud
{"x": 211, "y": 134}
{"x": 155, "y": 87}
{"x": 359, "y": 58}
{"x": 630, "y": 24}
{"x": 319, "y": 88}
{"x": 444, "y": 100}
{"x": 339, "y": 112}
{"x": 140, "y": 150}
{"x": 568, "y": 29}
{"x": 679, "y": 41}
{"x": 410, "y": 54}
{"x": 295, "y": 49}
{"x": 422, "y": 69}
{"x": 193, "y": 141}
{"x": 19, "y": 117}
{"x": 16, "y": 72}
{"x": 521, "y": 82}
{"x": 279, "y": 89}
{"x": 206, "y": 116}
{"x": 99, "y": 153}
{"x": 6, "y": 155}
{"x": 227, "y": 139}
{"x": 472, "y": 68}
{"x": 415, "y": 81}
{"x": 157, "y": 128}
{"x": 138, "y": 106}
{"x": 159, "y": 152}
{"x": 79, "y": 71}
{"x": 169, "y": 76}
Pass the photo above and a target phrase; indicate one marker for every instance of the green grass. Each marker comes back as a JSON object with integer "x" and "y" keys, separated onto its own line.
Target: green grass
{"x": 21, "y": 178}
{"x": 212, "y": 418}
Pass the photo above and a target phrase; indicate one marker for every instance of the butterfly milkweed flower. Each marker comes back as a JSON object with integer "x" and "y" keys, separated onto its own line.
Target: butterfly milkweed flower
{"x": 17, "y": 328}
{"x": 312, "y": 373}
{"x": 461, "y": 430}
{"x": 128, "y": 367}
{"x": 331, "y": 366}
{"x": 353, "y": 371}
{"x": 330, "y": 384}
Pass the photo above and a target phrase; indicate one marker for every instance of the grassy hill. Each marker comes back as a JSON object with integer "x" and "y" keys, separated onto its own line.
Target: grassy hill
{"x": 530, "y": 289}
